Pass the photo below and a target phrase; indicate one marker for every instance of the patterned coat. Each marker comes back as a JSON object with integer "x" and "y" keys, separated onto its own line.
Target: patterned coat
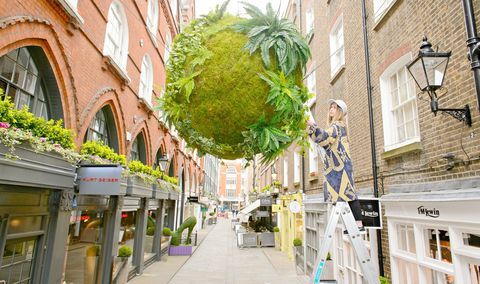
{"x": 338, "y": 168}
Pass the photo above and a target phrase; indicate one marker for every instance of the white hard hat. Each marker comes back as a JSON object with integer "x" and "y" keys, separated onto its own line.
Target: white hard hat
{"x": 339, "y": 103}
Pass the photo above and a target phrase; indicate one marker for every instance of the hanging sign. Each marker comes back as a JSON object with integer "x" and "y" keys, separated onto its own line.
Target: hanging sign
{"x": 294, "y": 207}
{"x": 265, "y": 201}
{"x": 99, "y": 179}
{"x": 276, "y": 208}
{"x": 371, "y": 213}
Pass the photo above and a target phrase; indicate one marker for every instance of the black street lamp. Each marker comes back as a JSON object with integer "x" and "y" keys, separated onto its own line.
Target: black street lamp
{"x": 428, "y": 70}
{"x": 163, "y": 161}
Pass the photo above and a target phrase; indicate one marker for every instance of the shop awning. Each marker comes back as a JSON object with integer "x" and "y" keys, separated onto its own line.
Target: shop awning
{"x": 250, "y": 207}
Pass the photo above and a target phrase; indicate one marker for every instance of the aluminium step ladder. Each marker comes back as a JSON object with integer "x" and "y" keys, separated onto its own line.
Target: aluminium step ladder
{"x": 342, "y": 209}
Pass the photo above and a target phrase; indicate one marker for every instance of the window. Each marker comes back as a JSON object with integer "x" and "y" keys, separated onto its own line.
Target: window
{"x": 309, "y": 21}
{"x": 285, "y": 172}
{"x": 313, "y": 158}
{"x": 152, "y": 17}
{"x": 406, "y": 239}
{"x": 399, "y": 105}
{"x": 98, "y": 130}
{"x": 296, "y": 167}
{"x": 146, "y": 80}
{"x": 174, "y": 7}
{"x": 438, "y": 245}
{"x": 380, "y": 8}
{"x": 168, "y": 43}
{"x": 116, "y": 36}
{"x": 22, "y": 83}
{"x": 73, "y": 3}
{"x": 231, "y": 178}
{"x": 312, "y": 86}
{"x": 337, "y": 50}
{"x": 138, "y": 152}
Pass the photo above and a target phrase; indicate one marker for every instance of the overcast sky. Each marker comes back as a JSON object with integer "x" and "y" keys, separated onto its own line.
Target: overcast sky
{"x": 234, "y": 7}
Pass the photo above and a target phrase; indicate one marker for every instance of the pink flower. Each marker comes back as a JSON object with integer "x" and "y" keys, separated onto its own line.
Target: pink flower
{"x": 43, "y": 139}
{"x": 4, "y": 125}
{"x": 56, "y": 145}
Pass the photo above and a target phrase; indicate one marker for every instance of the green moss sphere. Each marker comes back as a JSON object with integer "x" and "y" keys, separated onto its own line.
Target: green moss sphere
{"x": 229, "y": 96}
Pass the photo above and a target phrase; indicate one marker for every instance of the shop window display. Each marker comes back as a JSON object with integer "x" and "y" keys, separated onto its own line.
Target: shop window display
{"x": 127, "y": 230}
{"x": 439, "y": 245}
{"x": 84, "y": 239}
{"x": 17, "y": 261}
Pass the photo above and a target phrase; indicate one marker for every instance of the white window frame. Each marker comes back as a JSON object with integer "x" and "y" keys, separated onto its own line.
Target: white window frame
{"x": 174, "y": 7}
{"x": 168, "y": 44}
{"x": 296, "y": 167}
{"x": 152, "y": 18}
{"x": 72, "y": 3}
{"x": 380, "y": 8}
{"x": 145, "y": 87}
{"x": 285, "y": 172}
{"x": 309, "y": 21}
{"x": 117, "y": 35}
{"x": 312, "y": 158}
{"x": 337, "y": 47}
{"x": 389, "y": 128}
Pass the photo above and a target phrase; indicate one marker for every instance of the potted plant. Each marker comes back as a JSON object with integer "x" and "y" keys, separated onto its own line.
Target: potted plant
{"x": 298, "y": 254}
{"x": 328, "y": 269}
{"x": 176, "y": 247}
{"x": 120, "y": 274}
{"x": 276, "y": 232}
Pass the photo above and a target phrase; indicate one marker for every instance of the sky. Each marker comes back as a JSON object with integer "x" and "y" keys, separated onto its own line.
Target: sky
{"x": 234, "y": 7}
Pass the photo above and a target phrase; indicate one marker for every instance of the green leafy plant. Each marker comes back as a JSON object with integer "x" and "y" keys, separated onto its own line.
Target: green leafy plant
{"x": 166, "y": 231}
{"x": 329, "y": 256}
{"x": 150, "y": 231}
{"x": 125, "y": 251}
{"x": 297, "y": 242}
{"x": 189, "y": 224}
{"x": 212, "y": 213}
{"x": 276, "y": 229}
{"x": 97, "y": 148}
{"x": 383, "y": 280}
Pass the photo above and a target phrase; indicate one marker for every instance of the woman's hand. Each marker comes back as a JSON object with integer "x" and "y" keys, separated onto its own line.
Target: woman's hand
{"x": 311, "y": 120}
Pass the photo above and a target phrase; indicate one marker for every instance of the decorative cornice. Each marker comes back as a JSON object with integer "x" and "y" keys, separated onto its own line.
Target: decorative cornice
{"x": 93, "y": 101}
{"x": 168, "y": 16}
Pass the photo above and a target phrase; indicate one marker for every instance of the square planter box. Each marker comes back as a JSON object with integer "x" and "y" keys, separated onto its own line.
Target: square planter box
{"x": 138, "y": 188}
{"x": 180, "y": 250}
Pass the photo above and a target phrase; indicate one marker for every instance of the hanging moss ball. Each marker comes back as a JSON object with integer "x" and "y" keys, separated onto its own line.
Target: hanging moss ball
{"x": 215, "y": 92}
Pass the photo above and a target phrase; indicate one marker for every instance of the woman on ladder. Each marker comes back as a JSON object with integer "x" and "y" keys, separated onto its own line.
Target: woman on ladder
{"x": 338, "y": 183}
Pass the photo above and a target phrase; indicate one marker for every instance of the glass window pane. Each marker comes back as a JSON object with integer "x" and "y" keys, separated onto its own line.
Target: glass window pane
{"x": 13, "y": 54}
{"x": 23, "y": 224}
{"x": 436, "y": 277}
{"x": 471, "y": 240}
{"x": 6, "y": 67}
{"x": 17, "y": 260}
{"x": 32, "y": 67}
{"x": 19, "y": 75}
{"x": 407, "y": 272}
{"x": 474, "y": 270}
{"x": 22, "y": 99}
{"x": 23, "y": 57}
{"x": 30, "y": 83}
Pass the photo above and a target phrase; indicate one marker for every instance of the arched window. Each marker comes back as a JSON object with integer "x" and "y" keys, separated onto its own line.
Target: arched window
{"x": 152, "y": 16}
{"x": 102, "y": 128}
{"x": 168, "y": 44}
{"x": 146, "y": 80}
{"x": 26, "y": 77}
{"x": 116, "y": 36}
{"x": 138, "y": 151}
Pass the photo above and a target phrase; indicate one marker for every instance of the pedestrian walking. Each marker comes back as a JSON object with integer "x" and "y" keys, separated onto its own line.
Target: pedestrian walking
{"x": 334, "y": 147}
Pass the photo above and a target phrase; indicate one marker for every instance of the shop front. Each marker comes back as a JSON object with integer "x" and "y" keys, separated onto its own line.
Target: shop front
{"x": 434, "y": 237}
{"x": 291, "y": 221}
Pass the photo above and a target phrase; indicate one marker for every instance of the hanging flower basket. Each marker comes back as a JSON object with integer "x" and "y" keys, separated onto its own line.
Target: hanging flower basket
{"x": 234, "y": 86}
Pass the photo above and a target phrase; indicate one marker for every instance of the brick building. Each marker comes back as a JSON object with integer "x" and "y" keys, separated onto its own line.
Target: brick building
{"x": 232, "y": 181}
{"x": 424, "y": 162}
{"x": 99, "y": 66}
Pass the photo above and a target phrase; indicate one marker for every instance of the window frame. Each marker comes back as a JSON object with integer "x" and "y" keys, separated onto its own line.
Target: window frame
{"x": 390, "y": 133}
{"x": 312, "y": 158}
{"x": 296, "y": 167}
{"x": 120, "y": 40}
{"x": 145, "y": 87}
{"x": 337, "y": 46}
{"x": 152, "y": 20}
{"x": 380, "y": 10}
{"x": 310, "y": 22}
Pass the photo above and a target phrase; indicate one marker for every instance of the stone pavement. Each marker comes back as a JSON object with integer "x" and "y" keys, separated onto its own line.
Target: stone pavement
{"x": 218, "y": 260}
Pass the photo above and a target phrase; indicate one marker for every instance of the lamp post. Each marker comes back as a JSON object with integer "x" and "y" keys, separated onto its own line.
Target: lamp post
{"x": 428, "y": 70}
{"x": 163, "y": 162}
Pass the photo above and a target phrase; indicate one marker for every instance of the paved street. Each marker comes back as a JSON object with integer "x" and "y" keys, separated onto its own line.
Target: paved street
{"x": 218, "y": 260}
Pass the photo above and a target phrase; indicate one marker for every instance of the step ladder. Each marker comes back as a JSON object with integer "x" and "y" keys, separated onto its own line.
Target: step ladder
{"x": 342, "y": 209}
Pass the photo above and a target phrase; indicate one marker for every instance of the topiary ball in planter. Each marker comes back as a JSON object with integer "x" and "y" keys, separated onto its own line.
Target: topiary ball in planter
{"x": 234, "y": 86}
{"x": 125, "y": 251}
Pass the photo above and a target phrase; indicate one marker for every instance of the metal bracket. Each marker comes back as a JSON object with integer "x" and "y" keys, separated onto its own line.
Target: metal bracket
{"x": 462, "y": 114}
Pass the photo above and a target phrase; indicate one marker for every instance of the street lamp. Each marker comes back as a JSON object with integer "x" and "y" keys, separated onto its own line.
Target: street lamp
{"x": 163, "y": 162}
{"x": 428, "y": 70}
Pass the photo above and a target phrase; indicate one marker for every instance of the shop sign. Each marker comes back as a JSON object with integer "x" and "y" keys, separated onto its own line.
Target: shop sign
{"x": 294, "y": 207}
{"x": 262, "y": 214}
{"x": 429, "y": 212}
{"x": 276, "y": 208}
{"x": 99, "y": 179}
{"x": 371, "y": 213}
{"x": 265, "y": 201}
{"x": 192, "y": 199}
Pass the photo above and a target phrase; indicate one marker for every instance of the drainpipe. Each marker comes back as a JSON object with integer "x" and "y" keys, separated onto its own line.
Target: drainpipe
{"x": 473, "y": 44}
{"x": 372, "y": 129}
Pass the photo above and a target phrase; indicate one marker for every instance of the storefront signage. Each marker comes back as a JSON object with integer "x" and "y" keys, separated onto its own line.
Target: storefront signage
{"x": 371, "y": 213}
{"x": 434, "y": 213}
{"x": 262, "y": 214}
{"x": 192, "y": 199}
{"x": 99, "y": 179}
{"x": 276, "y": 208}
{"x": 265, "y": 201}
{"x": 294, "y": 207}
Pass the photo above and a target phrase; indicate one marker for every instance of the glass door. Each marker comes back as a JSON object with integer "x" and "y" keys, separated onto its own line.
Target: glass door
{"x": 17, "y": 261}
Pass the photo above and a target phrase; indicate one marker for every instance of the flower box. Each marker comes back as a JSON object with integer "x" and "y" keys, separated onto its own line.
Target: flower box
{"x": 37, "y": 169}
{"x": 139, "y": 188}
{"x": 180, "y": 250}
